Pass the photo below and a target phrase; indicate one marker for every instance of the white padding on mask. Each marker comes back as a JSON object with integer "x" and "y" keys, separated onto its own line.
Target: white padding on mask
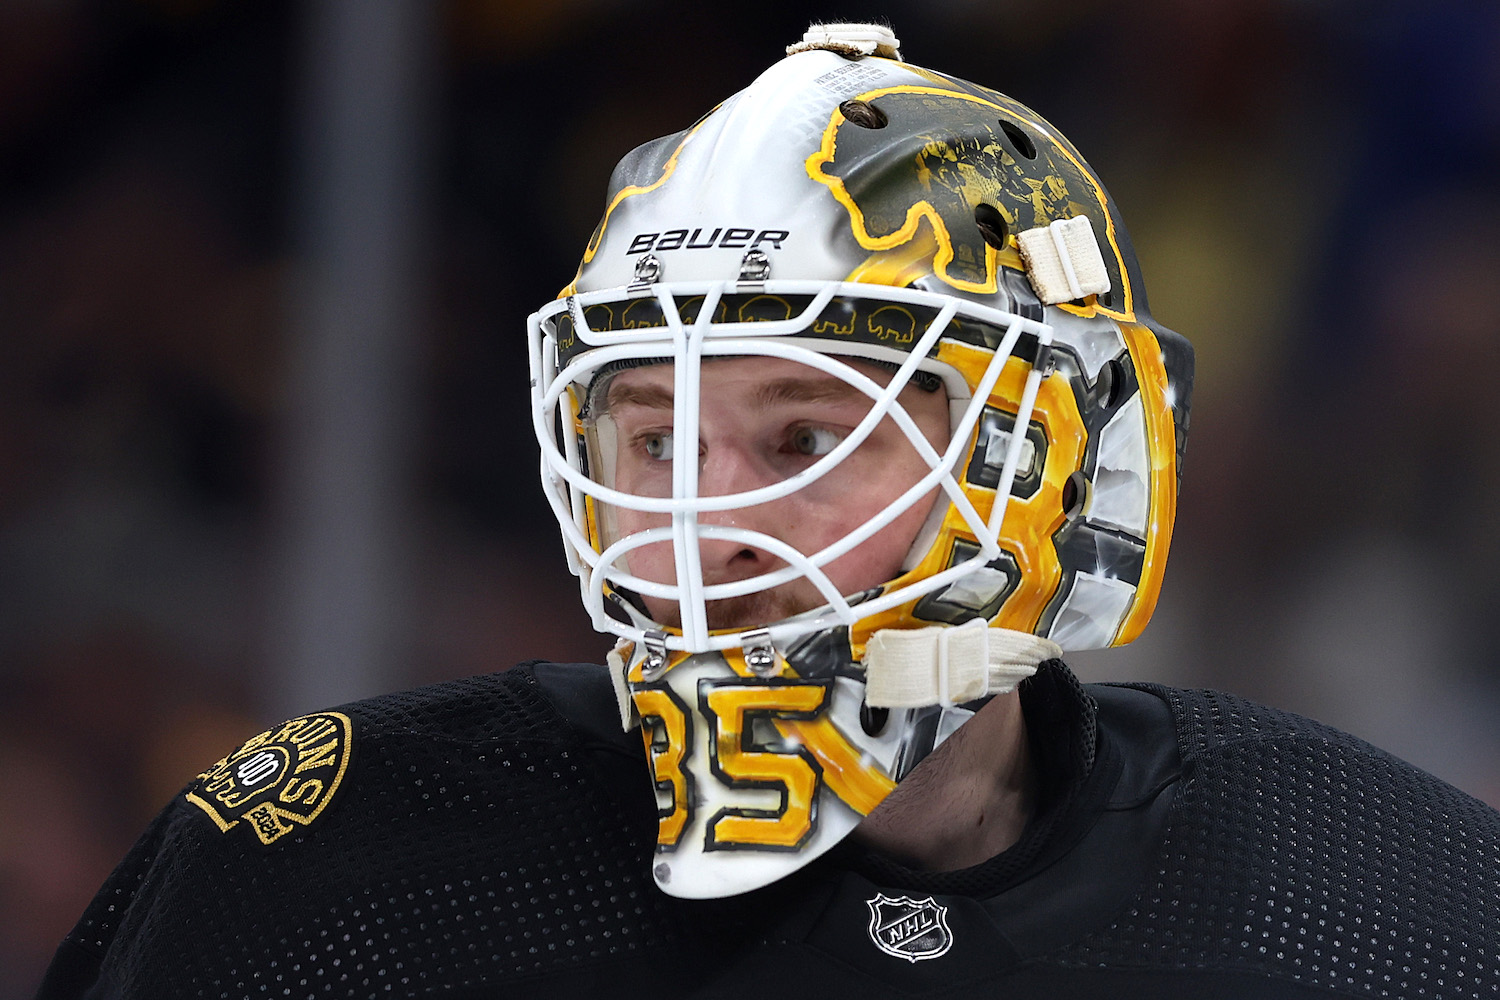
{"x": 949, "y": 665}
{"x": 1063, "y": 260}
{"x": 850, "y": 40}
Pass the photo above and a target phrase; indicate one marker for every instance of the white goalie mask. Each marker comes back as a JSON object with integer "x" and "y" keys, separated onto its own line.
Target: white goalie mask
{"x": 853, "y": 414}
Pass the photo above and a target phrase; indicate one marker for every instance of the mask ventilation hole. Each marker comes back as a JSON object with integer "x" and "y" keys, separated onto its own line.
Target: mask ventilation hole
{"x": 991, "y": 225}
{"x": 873, "y": 720}
{"x": 864, "y": 114}
{"x": 1075, "y": 494}
{"x": 1106, "y": 298}
{"x": 1112, "y": 375}
{"x": 1110, "y": 385}
{"x": 1020, "y": 140}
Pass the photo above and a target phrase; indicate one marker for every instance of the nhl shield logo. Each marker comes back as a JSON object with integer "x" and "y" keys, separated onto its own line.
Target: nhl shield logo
{"x": 908, "y": 928}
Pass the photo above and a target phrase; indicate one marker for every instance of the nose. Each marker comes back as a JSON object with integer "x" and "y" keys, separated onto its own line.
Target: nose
{"x": 724, "y": 471}
{"x": 729, "y": 467}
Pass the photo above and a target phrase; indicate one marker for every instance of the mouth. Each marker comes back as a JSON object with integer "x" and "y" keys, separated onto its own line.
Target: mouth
{"x": 739, "y": 613}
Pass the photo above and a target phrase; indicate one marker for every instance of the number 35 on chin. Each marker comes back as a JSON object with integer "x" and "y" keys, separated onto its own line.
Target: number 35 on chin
{"x": 756, "y": 754}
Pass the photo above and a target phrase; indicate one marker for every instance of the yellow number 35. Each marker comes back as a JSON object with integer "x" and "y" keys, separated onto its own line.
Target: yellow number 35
{"x": 741, "y": 757}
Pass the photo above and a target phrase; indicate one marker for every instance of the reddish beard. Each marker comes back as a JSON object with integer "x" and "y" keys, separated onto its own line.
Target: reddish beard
{"x": 747, "y": 611}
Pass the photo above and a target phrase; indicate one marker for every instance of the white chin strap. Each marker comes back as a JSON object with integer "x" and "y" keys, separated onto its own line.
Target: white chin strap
{"x": 949, "y": 665}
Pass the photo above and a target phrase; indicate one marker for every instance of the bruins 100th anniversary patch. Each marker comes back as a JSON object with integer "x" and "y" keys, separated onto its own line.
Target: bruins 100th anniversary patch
{"x": 280, "y": 780}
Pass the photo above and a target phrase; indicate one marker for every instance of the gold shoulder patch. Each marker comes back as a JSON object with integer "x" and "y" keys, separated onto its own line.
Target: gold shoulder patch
{"x": 281, "y": 779}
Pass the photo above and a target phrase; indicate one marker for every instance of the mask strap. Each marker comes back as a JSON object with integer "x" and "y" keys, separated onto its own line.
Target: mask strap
{"x": 618, "y": 662}
{"x": 949, "y": 665}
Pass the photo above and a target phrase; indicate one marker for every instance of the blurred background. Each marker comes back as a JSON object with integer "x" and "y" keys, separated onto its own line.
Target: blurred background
{"x": 264, "y": 272}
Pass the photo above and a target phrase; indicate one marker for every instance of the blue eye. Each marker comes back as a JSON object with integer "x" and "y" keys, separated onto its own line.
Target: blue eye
{"x": 814, "y": 441}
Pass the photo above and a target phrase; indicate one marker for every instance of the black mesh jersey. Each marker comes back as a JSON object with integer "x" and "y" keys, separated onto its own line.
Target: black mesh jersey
{"x": 493, "y": 837}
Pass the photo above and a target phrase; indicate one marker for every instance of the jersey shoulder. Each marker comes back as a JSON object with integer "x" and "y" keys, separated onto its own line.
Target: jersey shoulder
{"x": 281, "y": 783}
{"x": 1303, "y": 853}
{"x": 377, "y": 825}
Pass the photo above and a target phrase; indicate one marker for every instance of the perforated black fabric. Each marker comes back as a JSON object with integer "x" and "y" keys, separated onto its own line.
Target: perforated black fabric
{"x": 1298, "y": 852}
{"x": 399, "y": 887}
{"x": 484, "y": 845}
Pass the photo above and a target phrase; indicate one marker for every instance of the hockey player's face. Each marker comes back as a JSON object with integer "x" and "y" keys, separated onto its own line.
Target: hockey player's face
{"x": 763, "y": 420}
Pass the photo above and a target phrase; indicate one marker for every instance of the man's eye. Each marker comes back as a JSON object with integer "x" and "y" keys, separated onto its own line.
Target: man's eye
{"x": 657, "y": 445}
{"x": 815, "y": 440}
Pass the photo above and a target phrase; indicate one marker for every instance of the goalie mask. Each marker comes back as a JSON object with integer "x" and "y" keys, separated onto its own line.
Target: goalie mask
{"x": 852, "y": 415}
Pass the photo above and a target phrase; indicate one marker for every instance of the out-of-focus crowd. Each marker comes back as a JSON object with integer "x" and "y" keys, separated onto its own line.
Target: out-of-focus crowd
{"x": 1314, "y": 191}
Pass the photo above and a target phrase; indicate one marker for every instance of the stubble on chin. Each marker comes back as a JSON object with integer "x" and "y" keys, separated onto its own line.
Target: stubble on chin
{"x": 748, "y": 611}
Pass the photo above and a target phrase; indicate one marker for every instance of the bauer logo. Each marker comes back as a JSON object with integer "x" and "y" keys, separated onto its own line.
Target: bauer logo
{"x": 280, "y": 780}
{"x": 913, "y": 929}
{"x": 703, "y": 238}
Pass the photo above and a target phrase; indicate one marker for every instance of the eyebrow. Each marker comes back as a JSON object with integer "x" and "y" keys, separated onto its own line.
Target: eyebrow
{"x": 650, "y": 396}
{"x": 782, "y": 390}
{"x": 809, "y": 390}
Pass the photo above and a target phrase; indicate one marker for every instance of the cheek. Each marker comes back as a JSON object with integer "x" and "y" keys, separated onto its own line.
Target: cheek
{"x": 653, "y": 562}
{"x": 885, "y": 552}
{"x": 643, "y": 478}
{"x": 881, "y": 557}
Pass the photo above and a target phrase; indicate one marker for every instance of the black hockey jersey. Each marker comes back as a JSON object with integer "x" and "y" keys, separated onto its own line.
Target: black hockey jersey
{"x": 494, "y": 836}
